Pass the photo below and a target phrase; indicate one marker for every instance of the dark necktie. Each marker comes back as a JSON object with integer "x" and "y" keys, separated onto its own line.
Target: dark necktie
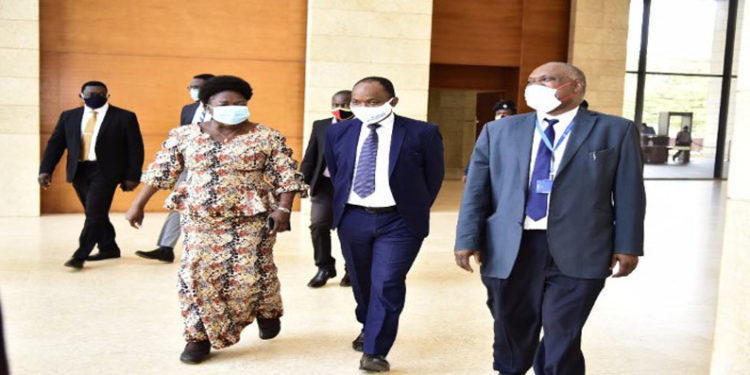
{"x": 202, "y": 116}
{"x": 536, "y": 204}
{"x": 364, "y": 181}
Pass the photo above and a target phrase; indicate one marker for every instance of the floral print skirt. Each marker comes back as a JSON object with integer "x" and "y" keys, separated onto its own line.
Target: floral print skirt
{"x": 227, "y": 277}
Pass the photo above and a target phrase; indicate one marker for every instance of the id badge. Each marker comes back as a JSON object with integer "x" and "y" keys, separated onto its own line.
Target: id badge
{"x": 544, "y": 186}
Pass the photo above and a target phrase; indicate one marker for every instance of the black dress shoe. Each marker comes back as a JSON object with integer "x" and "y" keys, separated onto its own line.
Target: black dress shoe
{"x": 359, "y": 343}
{"x": 164, "y": 254}
{"x": 268, "y": 328}
{"x": 374, "y": 363}
{"x": 195, "y": 352}
{"x": 321, "y": 277}
{"x": 74, "y": 263}
{"x": 101, "y": 255}
{"x": 345, "y": 281}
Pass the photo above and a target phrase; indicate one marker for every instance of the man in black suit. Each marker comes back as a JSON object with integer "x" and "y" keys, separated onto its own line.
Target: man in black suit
{"x": 105, "y": 149}
{"x": 316, "y": 174}
{"x": 170, "y": 232}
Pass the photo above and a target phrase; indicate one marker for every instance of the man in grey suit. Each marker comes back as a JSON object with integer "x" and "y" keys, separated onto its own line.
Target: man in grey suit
{"x": 192, "y": 113}
{"x": 554, "y": 200}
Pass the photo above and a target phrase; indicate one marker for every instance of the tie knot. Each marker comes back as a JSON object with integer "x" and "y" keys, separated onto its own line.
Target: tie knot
{"x": 551, "y": 122}
{"x": 373, "y": 126}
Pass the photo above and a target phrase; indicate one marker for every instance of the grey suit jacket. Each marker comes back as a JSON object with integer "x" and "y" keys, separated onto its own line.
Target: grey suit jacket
{"x": 596, "y": 207}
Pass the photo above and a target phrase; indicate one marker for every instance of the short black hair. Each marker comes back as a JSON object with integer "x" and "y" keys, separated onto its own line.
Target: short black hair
{"x": 204, "y": 76}
{"x": 224, "y": 83}
{"x": 93, "y": 83}
{"x": 385, "y": 82}
{"x": 342, "y": 92}
{"x": 505, "y": 104}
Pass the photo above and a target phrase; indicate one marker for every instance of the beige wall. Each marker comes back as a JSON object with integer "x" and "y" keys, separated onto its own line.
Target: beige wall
{"x": 598, "y": 45}
{"x": 732, "y": 334}
{"x": 19, "y": 107}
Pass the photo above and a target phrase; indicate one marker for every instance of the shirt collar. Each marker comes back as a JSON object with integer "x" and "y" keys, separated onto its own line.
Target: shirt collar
{"x": 98, "y": 110}
{"x": 564, "y": 118}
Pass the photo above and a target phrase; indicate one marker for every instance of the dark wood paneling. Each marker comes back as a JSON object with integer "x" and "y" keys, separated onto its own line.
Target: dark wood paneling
{"x": 146, "y": 52}
{"x": 476, "y": 32}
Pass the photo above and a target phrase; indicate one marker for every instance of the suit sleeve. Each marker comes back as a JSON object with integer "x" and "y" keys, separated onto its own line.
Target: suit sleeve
{"x": 56, "y": 145}
{"x": 134, "y": 143}
{"x": 308, "y": 161}
{"x": 329, "y": 155}
{"x": 629, "y": 196}
{"x": 434, "y": 170}
{"x": 475, "y": 203}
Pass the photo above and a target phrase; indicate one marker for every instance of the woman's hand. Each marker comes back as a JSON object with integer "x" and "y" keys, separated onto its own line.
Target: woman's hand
{"x": 135, "y": 216}
{"x": 280, "y": 220}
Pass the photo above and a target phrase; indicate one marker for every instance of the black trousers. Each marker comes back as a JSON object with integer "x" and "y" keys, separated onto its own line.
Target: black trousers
{"x": 95, "y": 193}
{"x": 538, "y": 295}
{"x": 3, "y": 358}
{"x": 321, "y": 223}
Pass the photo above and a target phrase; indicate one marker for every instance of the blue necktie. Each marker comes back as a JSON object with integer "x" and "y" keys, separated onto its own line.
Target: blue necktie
{"x": 203, "y": 116}
{"x": 536, "y": 205}
{"x": 364, "y": 181}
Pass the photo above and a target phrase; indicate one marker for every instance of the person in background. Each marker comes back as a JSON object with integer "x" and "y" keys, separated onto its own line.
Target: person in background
{"x": 683, "y": 139}
{"x": 192, "y": 113}
{"x": 316, "y": 174}
{"x": 242, "y": 180}
{"x": 386, "y": 172}
{"x": 105, "y": 149}
{"x": 553, "y": 202}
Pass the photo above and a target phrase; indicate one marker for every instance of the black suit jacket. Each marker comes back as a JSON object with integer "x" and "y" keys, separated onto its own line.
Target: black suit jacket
{"x": 188, "y": 112}
{"x": 314, "y": 163}
{"x": 119, "y": 145}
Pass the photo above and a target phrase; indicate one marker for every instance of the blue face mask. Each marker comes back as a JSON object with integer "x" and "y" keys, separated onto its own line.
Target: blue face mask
{"x": 230, "y": 114}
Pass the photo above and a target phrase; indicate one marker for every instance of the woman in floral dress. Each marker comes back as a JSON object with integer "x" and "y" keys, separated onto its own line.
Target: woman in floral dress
{"x": 240, "y": 174}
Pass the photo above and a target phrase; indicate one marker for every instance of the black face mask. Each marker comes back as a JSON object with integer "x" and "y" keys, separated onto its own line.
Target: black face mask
{"x": 343, "y": 114}
{"x": 95, "y": 101}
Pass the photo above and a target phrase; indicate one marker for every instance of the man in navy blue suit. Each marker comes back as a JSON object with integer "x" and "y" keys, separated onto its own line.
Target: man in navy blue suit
{"x": 554, "y": 200}
{"x": 386, "y": 171}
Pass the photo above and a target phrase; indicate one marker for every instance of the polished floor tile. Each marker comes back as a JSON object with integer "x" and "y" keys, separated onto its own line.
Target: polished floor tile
{"x": 121, "y": 316}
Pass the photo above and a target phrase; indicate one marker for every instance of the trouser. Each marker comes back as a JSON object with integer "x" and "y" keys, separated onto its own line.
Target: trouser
{"x": 379, "y": 250}
{"x": 321, "y": 223}
{"x": 538, "y": 295}
{"x": 170, "y": 231}
{"x": 95, "y": 193}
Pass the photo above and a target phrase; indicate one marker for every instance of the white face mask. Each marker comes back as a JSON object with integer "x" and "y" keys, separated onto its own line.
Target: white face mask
{"x": 542, "y": 98}
{"x": 194, "y": 94}
{"x": 372, "y": 115}
{"x": 230, "y": 114}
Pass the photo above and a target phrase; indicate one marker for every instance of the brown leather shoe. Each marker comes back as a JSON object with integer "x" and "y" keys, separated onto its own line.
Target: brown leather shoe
{"x": 374, "y": 363}
{"x": 195, "y": 352}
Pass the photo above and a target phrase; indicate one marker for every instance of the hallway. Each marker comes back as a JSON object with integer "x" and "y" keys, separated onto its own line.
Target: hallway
{"x": 121, "y": 316}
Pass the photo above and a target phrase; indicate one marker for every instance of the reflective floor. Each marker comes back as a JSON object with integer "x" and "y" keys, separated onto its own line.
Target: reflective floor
{"x": 121, "y": 316}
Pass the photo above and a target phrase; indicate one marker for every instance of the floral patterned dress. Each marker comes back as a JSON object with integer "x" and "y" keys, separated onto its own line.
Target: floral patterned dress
{"x": 227, "y": 275}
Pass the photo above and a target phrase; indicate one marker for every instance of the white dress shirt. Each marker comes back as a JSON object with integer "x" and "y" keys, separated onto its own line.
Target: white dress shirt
{"x": 90, "y": 154}
{"x": 564, "y": 121}
{"x": 198, "y": 112}
{"x": 382, "y": 196}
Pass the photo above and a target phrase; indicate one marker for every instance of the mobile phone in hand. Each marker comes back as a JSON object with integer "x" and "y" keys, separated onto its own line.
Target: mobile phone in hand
{"x": 270, "y": 223}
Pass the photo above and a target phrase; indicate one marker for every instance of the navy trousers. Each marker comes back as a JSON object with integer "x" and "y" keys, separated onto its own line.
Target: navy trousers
{"x": 537, "y": 295}
{"x": 379, "y": 250}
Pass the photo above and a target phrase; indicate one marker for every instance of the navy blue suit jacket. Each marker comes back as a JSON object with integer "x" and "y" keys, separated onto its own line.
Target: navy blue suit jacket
{"x": 416, "y": 168}
{"x": 596, "y": 207}
{"x": 188, "y": 112}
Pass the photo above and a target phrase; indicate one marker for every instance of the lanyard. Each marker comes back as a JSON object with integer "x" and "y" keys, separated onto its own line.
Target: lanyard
{"x": 548, "y": 144}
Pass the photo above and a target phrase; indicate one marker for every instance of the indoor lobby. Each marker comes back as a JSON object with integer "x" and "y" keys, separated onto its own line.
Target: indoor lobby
{"x": 683, "y": 311}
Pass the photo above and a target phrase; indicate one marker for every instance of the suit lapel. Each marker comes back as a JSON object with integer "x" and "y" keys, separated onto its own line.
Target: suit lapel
{"x": 108, "y": 118}
{"x": 397, "y": 139}
{"x": 75, "y": 123}
{"x": 523, "y": 138}
{"x": 584, "y": 122}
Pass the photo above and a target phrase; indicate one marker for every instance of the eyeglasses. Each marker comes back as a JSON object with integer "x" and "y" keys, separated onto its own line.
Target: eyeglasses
{"x": 89, "y": 95}
{"x": 193, "y": 87}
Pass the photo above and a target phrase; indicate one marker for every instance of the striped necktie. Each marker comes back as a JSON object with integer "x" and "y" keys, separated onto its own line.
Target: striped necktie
{"x": 364, "y": 181}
